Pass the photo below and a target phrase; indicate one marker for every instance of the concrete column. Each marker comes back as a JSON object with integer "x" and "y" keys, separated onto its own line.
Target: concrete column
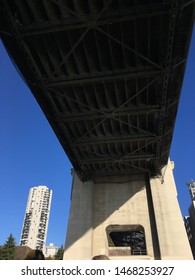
{"x": 172, "y": 236}
{"x": 120, "y": 203}
{"x": 78, "y": 244}
{"x": 95, "y": 206}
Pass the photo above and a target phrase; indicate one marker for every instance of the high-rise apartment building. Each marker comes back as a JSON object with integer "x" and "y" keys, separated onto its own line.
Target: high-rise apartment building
{"x": 191, "y": 186}
{"x": 189, "y": 221}
{"x": 36, "y": 218}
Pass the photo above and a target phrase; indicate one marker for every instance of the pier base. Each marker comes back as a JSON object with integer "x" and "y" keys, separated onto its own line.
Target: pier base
{"x": 126, "y": 218}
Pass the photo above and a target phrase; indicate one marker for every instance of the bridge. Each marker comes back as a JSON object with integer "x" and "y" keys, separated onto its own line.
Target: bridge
{"x": 107, "y": 75}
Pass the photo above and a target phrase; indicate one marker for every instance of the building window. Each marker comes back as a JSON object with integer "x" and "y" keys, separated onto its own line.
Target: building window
{"x": 126, "y": 240}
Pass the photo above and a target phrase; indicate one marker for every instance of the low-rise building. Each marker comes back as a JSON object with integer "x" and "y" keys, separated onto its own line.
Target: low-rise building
{"x": 50, "y": 251}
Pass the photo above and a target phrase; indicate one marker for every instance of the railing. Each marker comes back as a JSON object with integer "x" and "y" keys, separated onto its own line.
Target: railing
{"x": 126, "y": 251}
{"x": 139, "y": 252}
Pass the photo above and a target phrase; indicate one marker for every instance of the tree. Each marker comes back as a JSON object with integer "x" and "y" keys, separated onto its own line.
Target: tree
{"x": 8, "y": 249}
{"x": 1, "y": 252}
{"x": 59, "y": 255}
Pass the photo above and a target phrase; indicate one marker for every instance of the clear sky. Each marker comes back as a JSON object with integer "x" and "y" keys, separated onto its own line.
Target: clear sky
{"x": 31, "y": 155}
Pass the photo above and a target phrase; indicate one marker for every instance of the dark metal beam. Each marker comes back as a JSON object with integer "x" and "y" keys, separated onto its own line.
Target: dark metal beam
{"x": 137, "y": 127}
{"x": 114, "y": 139}
{"x": 64, "y": 59}
{"x": 66, "y": 24}
{"x": 169, "y": 65}
{"x": 91, "y": 115}
{"x": 130, "y": 154}
{"x": 108, "y": 160}
{"x": 120, "y": 107}
{"x": 129, "y": 48}
{"x": 103, "y": 77}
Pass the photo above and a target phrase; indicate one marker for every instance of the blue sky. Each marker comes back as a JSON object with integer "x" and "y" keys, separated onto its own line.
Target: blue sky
{"x": 31, "y": 155}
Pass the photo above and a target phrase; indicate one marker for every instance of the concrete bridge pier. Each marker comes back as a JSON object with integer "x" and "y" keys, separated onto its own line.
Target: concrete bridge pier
{"x": 126, "y": 218}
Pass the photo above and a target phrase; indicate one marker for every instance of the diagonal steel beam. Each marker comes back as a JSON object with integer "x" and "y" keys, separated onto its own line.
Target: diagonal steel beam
{"x": 72, "y": 117}
{"x": 136, "y": 94}
{"x": 128, "y": 48}
{"x": 77, "y": 43}
{"x": 99, "y": 114}
{"x": 63, "y": 6}
{"x": 179, "y": 63}
{"x": 69, "y": 53}
{"x": 187, "y": 4}
{"x": 137, "y": 167}
{"x": 103, "y": 10}
{"x": 131, "y": 153}
{"x": 133, "y": 126}
{"x": 120, "y": 107}
{"x": 84, "y": 105}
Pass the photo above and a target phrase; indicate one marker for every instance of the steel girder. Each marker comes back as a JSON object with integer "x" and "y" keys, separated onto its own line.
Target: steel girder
{"x": 107, "y": 75}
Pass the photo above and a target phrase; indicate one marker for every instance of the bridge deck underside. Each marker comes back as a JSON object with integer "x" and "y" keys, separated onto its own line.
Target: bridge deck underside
{"x": 107, "y": 75}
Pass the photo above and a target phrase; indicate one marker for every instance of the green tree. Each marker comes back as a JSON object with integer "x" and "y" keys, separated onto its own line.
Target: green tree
{"x": 8, "y": 249}
{"x": 59, "y": 255}
{"x": 1, "y": 252}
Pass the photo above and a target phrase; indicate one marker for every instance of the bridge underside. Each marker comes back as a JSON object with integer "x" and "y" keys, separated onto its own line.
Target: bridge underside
{"x": 107, "y": 75}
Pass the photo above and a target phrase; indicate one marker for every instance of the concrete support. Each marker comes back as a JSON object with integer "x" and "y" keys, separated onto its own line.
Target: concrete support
{"x": 123, "y": 202}
{"x": 79, "y": 239}
{"x": 172, "y": 236}
{"x": 119, "y": 204}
